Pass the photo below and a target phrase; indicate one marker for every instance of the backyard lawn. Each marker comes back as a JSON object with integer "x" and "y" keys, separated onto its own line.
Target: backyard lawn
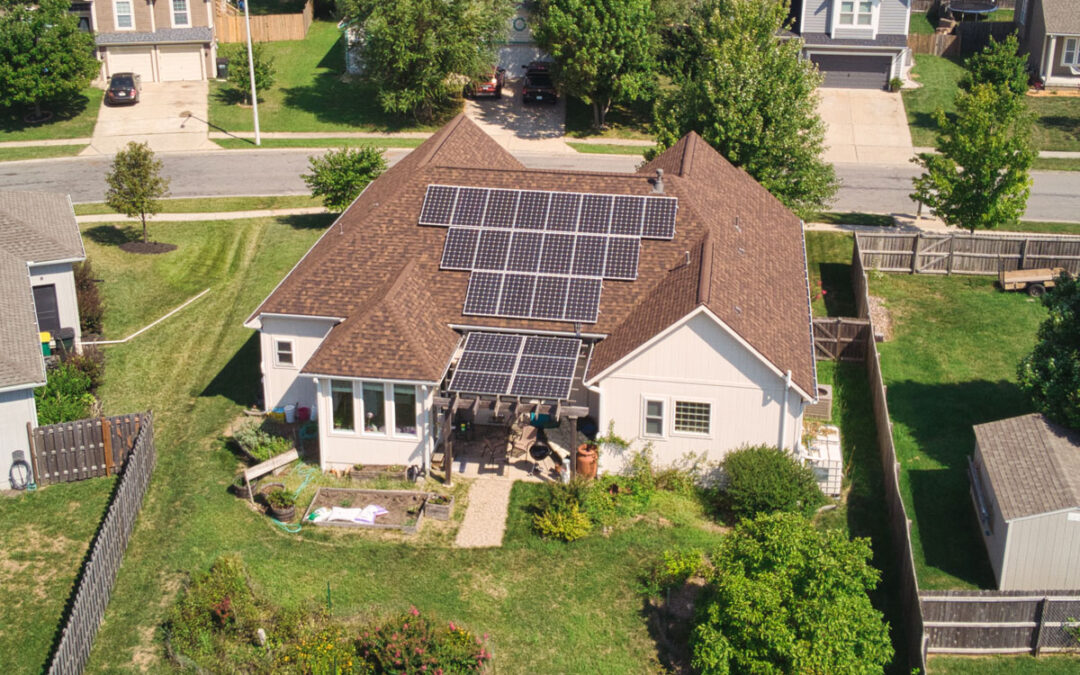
{"x": 951, "y": 363}
{"x": 75, "y": 119}
{"x": 828, "y": 256}
{"x": 1004, "y": 665}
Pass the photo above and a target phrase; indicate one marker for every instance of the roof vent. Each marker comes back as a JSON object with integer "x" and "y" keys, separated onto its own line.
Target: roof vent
{"x": 658, "y": 182}
{"x": 737, "y": 228}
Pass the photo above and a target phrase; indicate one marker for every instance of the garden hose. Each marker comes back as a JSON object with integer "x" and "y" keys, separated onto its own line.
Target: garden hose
{"x": 309, "y": 473}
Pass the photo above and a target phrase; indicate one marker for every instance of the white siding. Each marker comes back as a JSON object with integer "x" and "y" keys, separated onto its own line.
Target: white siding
{"x": 815, "y": 17}
{"x": 893, "y": 17}
{"x": 282, "y": 384}
{"x": 1043, "y": 553}
{"x": 16, "y": 409}
{"x": 61, "y": 276}
{"x": 996, "y": 540}
{"x": 698, "y": 361}
{"x": 853, "y": 33}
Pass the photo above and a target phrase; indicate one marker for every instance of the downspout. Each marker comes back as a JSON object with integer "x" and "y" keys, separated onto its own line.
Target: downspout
{"x": 318, "y": 420}
{"x": 784, "y": 410}
{"x": 429, "y": 443}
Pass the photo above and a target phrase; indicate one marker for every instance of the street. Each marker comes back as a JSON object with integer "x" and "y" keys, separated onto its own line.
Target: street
{"x": 878, "y": 189}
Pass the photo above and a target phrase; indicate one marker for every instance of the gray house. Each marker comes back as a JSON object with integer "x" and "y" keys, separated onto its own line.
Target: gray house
{"x": 855, "y": 43}
{"x": 1025, "y": 484}
{"x": 1051, "y": 35}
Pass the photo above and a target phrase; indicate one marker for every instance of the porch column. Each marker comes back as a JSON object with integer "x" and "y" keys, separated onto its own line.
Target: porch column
{"x": 1048, "y": 66}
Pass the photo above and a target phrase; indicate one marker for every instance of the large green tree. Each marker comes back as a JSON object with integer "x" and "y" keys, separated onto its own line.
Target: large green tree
{"x": 136, "y": 184}
{"x": 604, "y": 50}
{"x": 785, "y": 597}
{"x": 418, "y": 52}
{"x": 1000, "y": 64}
{"x": 44, "y": 57}
{"x": 340, "y": 176}
{"x": 978, "y": 178}
{"x": 1050, "y": 375}
{"x": 752, "y": 97}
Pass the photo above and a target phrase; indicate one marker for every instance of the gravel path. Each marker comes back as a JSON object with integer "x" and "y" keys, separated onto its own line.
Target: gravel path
{"x": 485, "y": 517}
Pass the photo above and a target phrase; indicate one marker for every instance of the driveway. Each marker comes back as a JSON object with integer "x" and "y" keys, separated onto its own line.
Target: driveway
{"x": 160, "y": 118}
{"x": 535, "y": 127}
{"x": 865, "y": 126}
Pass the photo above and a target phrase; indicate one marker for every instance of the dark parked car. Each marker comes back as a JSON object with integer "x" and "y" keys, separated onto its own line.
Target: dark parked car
{"x": 492, "y": 86}
{"x": 538, "y": 85}
{"x": 123, "y": 88}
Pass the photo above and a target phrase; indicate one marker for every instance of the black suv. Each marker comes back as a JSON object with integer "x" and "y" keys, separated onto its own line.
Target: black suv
{"x": 538, "y": 85}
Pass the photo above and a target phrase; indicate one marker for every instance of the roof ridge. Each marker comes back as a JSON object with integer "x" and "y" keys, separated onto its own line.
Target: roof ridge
{"x": 1062, "y": 473}
{"x": 686, "y": 163}
{"x": 448, "y": 130}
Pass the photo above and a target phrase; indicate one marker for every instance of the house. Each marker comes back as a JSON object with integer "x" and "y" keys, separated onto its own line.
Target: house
{"x": 1050, "y": 33}
{"x": 672, "y": 302}
{"x": 855, "y": 43}
{"x": 1025, "y": 484}
{"x": 161, "y": 40}
{"x": 39, "y": 242}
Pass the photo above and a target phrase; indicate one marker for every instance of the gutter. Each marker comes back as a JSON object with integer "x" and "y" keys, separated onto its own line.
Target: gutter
{"x": 784, "y": 410}
{"x": 20, "y": 387}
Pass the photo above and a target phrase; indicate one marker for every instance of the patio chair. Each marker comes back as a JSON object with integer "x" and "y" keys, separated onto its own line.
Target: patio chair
{"x": 522, "y": 439}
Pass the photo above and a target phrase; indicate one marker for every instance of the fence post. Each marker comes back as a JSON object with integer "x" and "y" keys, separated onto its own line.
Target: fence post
{"x": 1023, "y": 254}
{"x": 915, "y": 246}
{"x": 1036, "y": 640}
{"x": 106, "y": 445}
{"x": 952, "y": 248}
{"x": 33, "y": 449}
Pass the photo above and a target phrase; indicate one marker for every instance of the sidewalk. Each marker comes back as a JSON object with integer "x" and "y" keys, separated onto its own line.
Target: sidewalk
{"x": 218, "y": 215}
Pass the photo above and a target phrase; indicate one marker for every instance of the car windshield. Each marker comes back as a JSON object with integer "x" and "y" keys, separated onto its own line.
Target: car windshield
{"x": 123, "y": 83}
{"x": 539, "y": 81}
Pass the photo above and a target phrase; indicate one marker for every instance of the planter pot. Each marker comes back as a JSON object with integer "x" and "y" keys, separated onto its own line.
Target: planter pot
{"x": 285, "y": 514}
{"x": 439, "y": 511}
{"x": 586, "y": 460}
{"x": 245, "y": 491}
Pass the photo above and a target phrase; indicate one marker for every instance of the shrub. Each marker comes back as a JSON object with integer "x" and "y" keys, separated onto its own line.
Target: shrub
{"x": 339, "y": 176}
{"x": 764, "y": 479}
{"x": 259, "y": 443}
{"x": 410, "y": 643}
{"x": 91, "y": 362}
{"x": 91, "y": 309}
{"x": 217, "y": 602}
{"x": 65, "y": 397}
{"x": 281, "y": 499}
{"x": 565, "y": 523}
{"x": 675, "y": 567}
{"x": 239, "y": 75}
{"x": 324, "y": 649}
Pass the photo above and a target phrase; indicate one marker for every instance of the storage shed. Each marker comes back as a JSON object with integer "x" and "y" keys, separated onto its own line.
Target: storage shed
{"x": 1025, "y": 484}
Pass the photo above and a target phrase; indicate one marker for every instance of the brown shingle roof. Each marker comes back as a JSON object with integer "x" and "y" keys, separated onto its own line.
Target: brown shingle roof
{"x": 752, "y": 274}
{"x": 1032, "y": 464}
{"x": 20, "y": 357}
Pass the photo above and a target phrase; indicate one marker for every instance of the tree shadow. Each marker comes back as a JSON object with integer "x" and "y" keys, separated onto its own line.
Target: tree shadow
{"x": 11, "y": 119}
{"x": 836, "y": 284}
{"x": 113, "y": 235}
{"x": 309, "y": 221}
{"x": 238, "y": 381}
{"x": 229, "y": 95}
{"x": 1065, "y": 123}
{"x": 346, "y": 103}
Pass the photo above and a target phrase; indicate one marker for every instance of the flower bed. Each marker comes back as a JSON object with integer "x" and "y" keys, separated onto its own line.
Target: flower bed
{"x": 405, "y": 508}
{"x": 376, "y": 471}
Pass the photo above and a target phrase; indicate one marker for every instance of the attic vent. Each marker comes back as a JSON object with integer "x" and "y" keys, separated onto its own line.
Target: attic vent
{"x": 658, "y": 182}
{"x": 738, "y": 310}
{"x": 742, "y": 251}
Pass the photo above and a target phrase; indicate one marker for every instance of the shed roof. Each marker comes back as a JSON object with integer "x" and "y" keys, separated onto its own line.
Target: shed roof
{"x": 1033, "y": 465}
{"x": 1061, "y": 16}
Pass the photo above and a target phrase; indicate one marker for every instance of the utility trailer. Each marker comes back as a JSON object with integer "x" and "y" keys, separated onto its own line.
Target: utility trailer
{"x": 1034, "y": 281}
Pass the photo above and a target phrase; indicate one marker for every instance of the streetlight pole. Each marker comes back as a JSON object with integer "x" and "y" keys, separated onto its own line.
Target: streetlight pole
{"x": 251, "y": 74}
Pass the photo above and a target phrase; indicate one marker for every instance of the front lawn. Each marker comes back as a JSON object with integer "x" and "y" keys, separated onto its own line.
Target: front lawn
{"x": 624, "y": 120}
{"x": 212, "y": 204}
{"x": 1057, "y": 122}
{"x": 19, "y": 153}
{"x": 74, "y": 119}
{"x": 309, "y": 94}
{"x": 951, "y": 363}
{"x": 1047, "y": 228}
{"x": 249, "y": 144}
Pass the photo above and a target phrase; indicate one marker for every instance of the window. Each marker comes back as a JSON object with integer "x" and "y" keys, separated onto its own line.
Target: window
{"x": 654, "y": 418}
{"x": 1070, "y": 54}
{"x": 124, "y": 18}
{"x": 692, "y": 417}
{"x": 179, "y": 12}
{"x": 405, "y": 409}
{"x": 856, "y": 12}
{"x": 283, "y": 350}
{"x": 341, "y": 394}
{"x": 374, "y": 408}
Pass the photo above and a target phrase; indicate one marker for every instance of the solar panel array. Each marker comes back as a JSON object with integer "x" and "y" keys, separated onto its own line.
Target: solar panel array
{"x": 529, "y": 366}
{"x": 543, "y": 255}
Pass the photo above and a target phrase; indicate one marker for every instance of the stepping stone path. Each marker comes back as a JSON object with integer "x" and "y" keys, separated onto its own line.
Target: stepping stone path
{"x": 485, "y": 517}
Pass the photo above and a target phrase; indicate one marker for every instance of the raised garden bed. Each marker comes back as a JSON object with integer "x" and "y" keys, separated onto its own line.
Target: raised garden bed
{"x": 439, "y": 507}
{"x": 405, "y": 507}
{"x": 375, "y": 471}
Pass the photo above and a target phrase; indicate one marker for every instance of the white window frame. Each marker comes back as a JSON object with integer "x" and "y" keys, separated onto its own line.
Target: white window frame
{"x": 700, "y": 401}
{"x": 1075, "y": 52}
{"x": 388, "y": 415}
{"x": 646, "y": 399}
{"x": 173, "y": 12}
{"x": 130, "y": 12}
{"x": 856, "y": 13}
{"x": 278, "y": 363}
{"x": 330, "y": 418}
{"x": 393, "y": 406}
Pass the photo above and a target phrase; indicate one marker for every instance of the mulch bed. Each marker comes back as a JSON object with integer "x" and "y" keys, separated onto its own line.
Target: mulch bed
{"x": 396, "y": 502}
{"x": 147, "y": 247}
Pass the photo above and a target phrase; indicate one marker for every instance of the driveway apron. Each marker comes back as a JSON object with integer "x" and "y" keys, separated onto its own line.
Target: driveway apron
{"x": 865, "y": 126}
{"x": 170, "y": 116}
{"x": 515, "y": 126}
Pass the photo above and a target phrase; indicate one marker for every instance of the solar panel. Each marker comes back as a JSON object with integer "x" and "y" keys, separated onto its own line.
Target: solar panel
{"x": 491, "y": 250}
{"x": 482, "y": 297}
{"x": 659, "y": 220}
{"x": 470, "y": 206}
{"x": 583, "y": 300}
{"x": 460, "y": 248}
{"x": 545, "y": 365}
{"x": 626, "y": 215}
{"x": 557, "y": 253}
{"x": 550, "y": 298}
{"x": 487, "y": 362}
{"x": 532, "y": 210}
{"x": 536, "y": 345}
{"x": 499, "y": 343}
{"x": 595, "y": 214}
{"x": 480, "y": 383}
{"x": 438, "y": 205}
{"x": 530, "y": 386}
{"x": 500, "y": 208}
{"x": 524, "y": 253}
{"x": 622, "y": 258}
{"x": 563, "y": 216}
{"x": 517, "y": 295}
{"x": 589, "y": 256}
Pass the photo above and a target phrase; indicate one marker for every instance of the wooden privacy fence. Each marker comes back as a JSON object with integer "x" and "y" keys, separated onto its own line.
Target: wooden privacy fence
{"x": 1000, "y": 622}
{"x": 71, "y": 451}
{"x": 840, "y": 338}
{"x": 924, "y": 253}
{"x": 95, "y": 583}
{"x": 974, "y": 35}
{"x": 230, "y": 27}
{"x": 938, "y": 44}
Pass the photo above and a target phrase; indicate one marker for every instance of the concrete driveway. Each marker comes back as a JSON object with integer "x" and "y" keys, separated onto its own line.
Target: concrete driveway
{"x": 156, "y": 119}
{"x": 537, "y": 126}
{"x": 865, "y": 126}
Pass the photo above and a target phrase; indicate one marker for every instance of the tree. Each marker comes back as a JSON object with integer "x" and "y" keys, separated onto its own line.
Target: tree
{"x": 1050, "y": 375}
{"x": 418, "y": 53}
{"x": 979, "y": 176}
{"x": 1000, "y": 64}
{"x": 239, "y": 74}
{"x": 752, "y": 97}
{"x": 136, "y": 184}
{"x": 44, "y": 57}
{"x": 764, "y": 479}
{"x": 785, "y": 597}
{"x": 604, "y": 50}
{"x": 340, "y": 175}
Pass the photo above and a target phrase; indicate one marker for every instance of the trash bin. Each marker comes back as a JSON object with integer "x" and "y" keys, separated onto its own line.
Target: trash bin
{"x": 65, "y": 339}
{"x": 222, "y": 68}
{"x": 46, "y": 339}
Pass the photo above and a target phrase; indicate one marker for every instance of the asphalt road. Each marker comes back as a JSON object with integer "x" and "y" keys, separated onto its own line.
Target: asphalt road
{"x": 879, "y": 189}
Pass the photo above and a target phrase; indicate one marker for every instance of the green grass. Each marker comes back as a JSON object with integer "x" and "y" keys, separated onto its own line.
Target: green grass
{"x": 951, "y": 363}
{"x": 309, "y": 94}
{"x": 245, "y": 144}
{"x": 828, "y": 257}
{"x": 1004, "y": 665}
{"x": 46, "y": 535}
{"x": 629, "y": 120}
{"x": 921, "y": 24}
{"x": 1004, "y": 15}
{"x": 1057, "y": 122}
{"x": 74, "y": 119}
{"x": 212, "y": 204}
{"x": 607, "y": 148}
{"x": 1056, "y": 164}
{"x": 39, "y": 152}
{"x": 1047, "y": 228}
{"x": 853, "y": 218}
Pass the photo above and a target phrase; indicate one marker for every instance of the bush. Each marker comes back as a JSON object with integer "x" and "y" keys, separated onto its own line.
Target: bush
{"x": 675, "y": 567}
{"x": 259, "y": 443}
{"x": 339, "y": 176}
{"x": 239, "y": 76}
{"x": 65, "y": 397}
{"x": 410, "y": 643}
{"x": 218, "y": 602}
{"x": 280, "y": 499}
{"x": 565, "y": 522}
{"x": 91, "y": 362}
{"x": 91, "y": 309}
{"x": 764, "y": 479}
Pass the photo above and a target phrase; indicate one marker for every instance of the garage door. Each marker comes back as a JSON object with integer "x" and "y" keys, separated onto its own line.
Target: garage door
{"x": 854, "y": 72}
{"x": 180, "y": 62}
{"x": 132, "y": 60}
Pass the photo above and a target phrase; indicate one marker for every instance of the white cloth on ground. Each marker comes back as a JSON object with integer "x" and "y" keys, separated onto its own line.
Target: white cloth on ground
{"x": 369, "y": 513}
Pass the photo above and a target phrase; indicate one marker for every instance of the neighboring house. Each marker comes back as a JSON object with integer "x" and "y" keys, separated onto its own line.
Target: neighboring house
{"x": 161, "y": 40}
{"x": 39, "y": 241}
{"x": 858, "y": 44}
{"x": 1025, "y": 483}
{"x": 1050, "y": 30}
{"x": 696, "y": 340}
